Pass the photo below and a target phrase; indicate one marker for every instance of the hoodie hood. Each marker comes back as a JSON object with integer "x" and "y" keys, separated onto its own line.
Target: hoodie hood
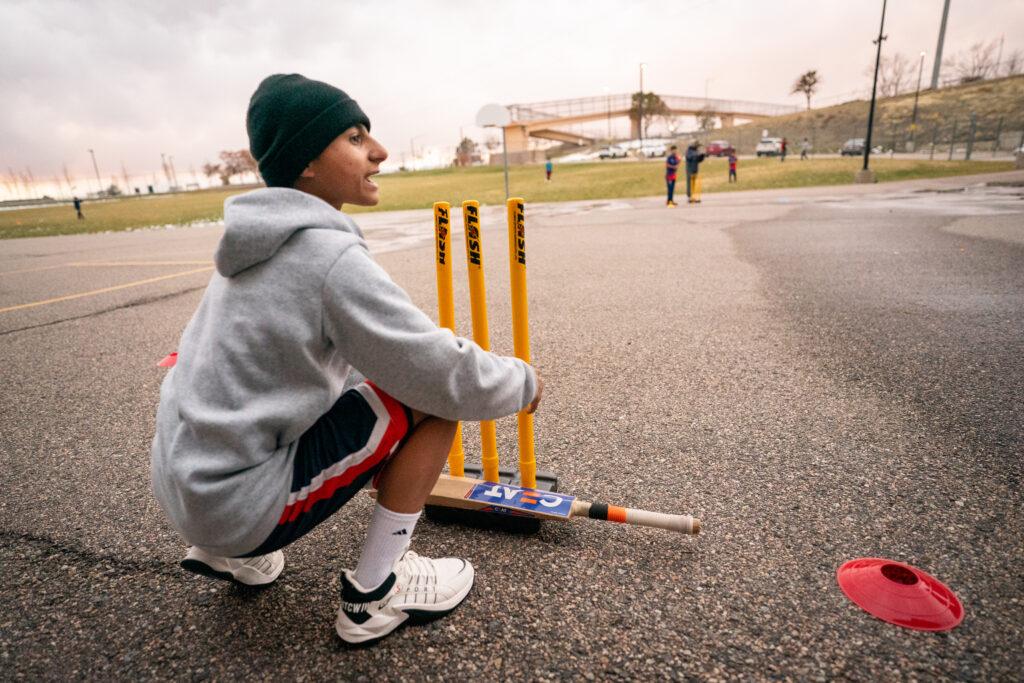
{"x": 258, "y": 223}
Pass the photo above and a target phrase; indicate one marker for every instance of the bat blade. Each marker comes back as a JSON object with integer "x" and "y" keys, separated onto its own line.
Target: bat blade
{"x": 473, "y": 494}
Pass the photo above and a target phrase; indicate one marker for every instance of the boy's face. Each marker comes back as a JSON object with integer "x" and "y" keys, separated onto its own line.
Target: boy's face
{"x": 341, "y": 174}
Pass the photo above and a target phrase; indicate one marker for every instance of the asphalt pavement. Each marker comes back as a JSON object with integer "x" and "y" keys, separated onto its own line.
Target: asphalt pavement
{"x": 818, "y": 374}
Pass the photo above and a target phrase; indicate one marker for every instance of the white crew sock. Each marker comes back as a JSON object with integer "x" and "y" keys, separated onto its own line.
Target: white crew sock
{"x": 386, "y": 539}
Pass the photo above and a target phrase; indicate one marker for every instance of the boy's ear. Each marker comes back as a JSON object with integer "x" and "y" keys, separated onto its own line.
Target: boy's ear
{"x": 308, "y": 172}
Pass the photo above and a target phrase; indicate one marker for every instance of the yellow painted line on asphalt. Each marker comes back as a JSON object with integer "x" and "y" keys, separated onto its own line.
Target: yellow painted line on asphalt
{"x": 94, "y": 292}
{"x": 82, "y": 264}
{"x": 33, "y": 270}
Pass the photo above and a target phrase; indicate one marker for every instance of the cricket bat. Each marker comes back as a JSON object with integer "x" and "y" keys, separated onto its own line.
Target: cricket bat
{"x": 474, "y": 494}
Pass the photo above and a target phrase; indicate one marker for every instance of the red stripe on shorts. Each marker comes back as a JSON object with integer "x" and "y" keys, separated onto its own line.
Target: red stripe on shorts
{"x": 398, "y": 427}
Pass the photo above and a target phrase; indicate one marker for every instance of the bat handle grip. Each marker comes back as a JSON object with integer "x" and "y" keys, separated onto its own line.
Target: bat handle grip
{"x": 685, "y": 524}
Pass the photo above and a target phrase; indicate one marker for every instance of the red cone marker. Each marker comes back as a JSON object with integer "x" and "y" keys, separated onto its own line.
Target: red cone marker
{"x": 169, "y": 360}
{"x": 900, "y": 594}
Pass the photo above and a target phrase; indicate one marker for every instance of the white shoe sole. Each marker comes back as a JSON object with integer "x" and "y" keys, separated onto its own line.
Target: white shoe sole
{"x": 199, "y": 562}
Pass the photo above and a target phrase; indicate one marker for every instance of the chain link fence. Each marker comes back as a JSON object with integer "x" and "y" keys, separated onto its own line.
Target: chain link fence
{"x": 954, "y": 136}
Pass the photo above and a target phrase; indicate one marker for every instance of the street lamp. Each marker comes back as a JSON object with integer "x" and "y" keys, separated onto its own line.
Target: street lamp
{"x": 913, "y": 118}
{"x": 865, "y": 175}
{"x": 640, "y": 111}
{"x": 96, "y": 168}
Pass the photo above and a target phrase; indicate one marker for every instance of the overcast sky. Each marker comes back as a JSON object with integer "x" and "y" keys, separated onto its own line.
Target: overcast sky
{"x": 136, "y": 78}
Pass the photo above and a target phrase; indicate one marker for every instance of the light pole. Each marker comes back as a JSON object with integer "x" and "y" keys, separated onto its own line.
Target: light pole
{"x": 99, "y": 183}
{"x": 938, "y": 48}
{"x": 608, "y": 99}
{"x": 913, "y": 117}
{"x": 640, "y": 111}
{"x": 865, "y": 175}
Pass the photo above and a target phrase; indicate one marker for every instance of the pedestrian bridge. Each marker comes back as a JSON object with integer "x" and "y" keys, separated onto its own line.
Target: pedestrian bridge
{"x": 541, "y": 119}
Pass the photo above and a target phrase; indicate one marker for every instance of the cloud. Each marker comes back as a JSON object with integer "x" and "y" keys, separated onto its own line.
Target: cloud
{"x": 132, "y": 80}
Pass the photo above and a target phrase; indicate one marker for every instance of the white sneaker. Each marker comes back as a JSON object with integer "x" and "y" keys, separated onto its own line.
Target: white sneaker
{"x": 252, "y": 571}
{"x": 417, "y": 591}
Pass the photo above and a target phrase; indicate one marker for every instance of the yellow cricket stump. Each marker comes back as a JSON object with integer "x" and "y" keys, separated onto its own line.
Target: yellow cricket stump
{"x": 446, "y": 309}
{"x": 521, "y": 330}
{"x": 481, "y": 335}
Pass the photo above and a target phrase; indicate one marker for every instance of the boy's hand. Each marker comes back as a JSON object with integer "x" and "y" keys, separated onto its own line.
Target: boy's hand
{"x": 536, "y": 399}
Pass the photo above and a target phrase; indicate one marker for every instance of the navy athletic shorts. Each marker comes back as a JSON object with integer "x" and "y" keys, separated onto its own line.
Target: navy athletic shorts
{"x": 336, "y": 457}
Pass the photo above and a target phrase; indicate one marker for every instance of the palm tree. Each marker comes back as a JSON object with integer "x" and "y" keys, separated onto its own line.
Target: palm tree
{"x": 807, "y": 84}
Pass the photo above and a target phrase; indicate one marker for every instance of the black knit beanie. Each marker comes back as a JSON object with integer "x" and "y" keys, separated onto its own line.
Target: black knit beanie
{"x": 291, "y": 120}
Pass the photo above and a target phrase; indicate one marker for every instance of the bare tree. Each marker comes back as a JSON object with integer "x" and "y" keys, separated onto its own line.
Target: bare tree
{"x": 706, "y": 119}
{"x": 211, "y": 170}
{"x": 976, "y": 63}
{"x": 236, "y": 163}
{"x": 653, "y": 106}
{"x": 807, "y": 84}
{"x": 894, "y": 74}
{"x": 465, "y": 152}
{"x": 1013, "y": 64}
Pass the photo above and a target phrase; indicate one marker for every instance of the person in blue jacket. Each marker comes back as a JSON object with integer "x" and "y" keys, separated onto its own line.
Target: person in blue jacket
{"x": 694, "y": 157}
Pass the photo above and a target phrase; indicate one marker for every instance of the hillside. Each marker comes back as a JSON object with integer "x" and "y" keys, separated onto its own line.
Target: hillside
{"x": 828, "y": 127}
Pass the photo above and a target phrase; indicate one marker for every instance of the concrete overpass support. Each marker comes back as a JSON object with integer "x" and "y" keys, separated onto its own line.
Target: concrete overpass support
{"x": 516, "y": 139}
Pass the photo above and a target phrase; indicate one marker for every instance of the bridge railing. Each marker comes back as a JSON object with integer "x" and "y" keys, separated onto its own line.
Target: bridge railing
{"x": 600, "y": 104}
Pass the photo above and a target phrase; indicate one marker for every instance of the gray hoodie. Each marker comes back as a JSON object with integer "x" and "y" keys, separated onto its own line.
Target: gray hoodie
{"x": 296, "y": 303}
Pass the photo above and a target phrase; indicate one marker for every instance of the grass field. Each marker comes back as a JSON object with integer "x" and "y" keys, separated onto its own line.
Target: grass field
{"x": 607, "y": 180}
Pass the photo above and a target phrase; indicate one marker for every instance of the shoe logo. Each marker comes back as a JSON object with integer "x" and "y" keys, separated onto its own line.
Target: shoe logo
{"x": 354, "y": 607}
{"x": 400, "y": 532}
{"x": 358, "y": 613}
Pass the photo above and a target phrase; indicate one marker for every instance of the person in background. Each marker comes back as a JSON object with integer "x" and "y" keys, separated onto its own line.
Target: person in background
{"x": 548, "y": 168}
{"x": 805, "y": 147}
{"x": 693, "y": 159}
{"x": 672, "y": 162}
{"x": 732, "y": 166}
{"x": 783, "y": 150}
{"x": 78, "y": 208}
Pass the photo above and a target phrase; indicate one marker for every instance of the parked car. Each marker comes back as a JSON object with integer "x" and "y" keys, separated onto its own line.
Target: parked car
{"x": 853, "y": 147}
{"x": 769, "y": 147}
{"x": 654, "y": 149}
{"x": 613, "y": 152}
{"x": 719, "y": 148}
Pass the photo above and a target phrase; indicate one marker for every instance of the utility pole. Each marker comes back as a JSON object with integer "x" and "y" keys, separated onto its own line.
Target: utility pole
{"x": 938, "y": 49}
{"x": 913, "y": 118}
{"x": 608, "y": 102}
{"x": 640, "y": 112}
{"x": 167, "y": 171}
{"x": 97, "y": 169}
{"x": 865, "y": 175}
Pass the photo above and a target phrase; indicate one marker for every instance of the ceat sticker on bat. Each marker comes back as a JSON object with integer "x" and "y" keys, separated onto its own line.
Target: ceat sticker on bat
{"x": 168, "y": 361}
{"x": 516, "y": 498}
